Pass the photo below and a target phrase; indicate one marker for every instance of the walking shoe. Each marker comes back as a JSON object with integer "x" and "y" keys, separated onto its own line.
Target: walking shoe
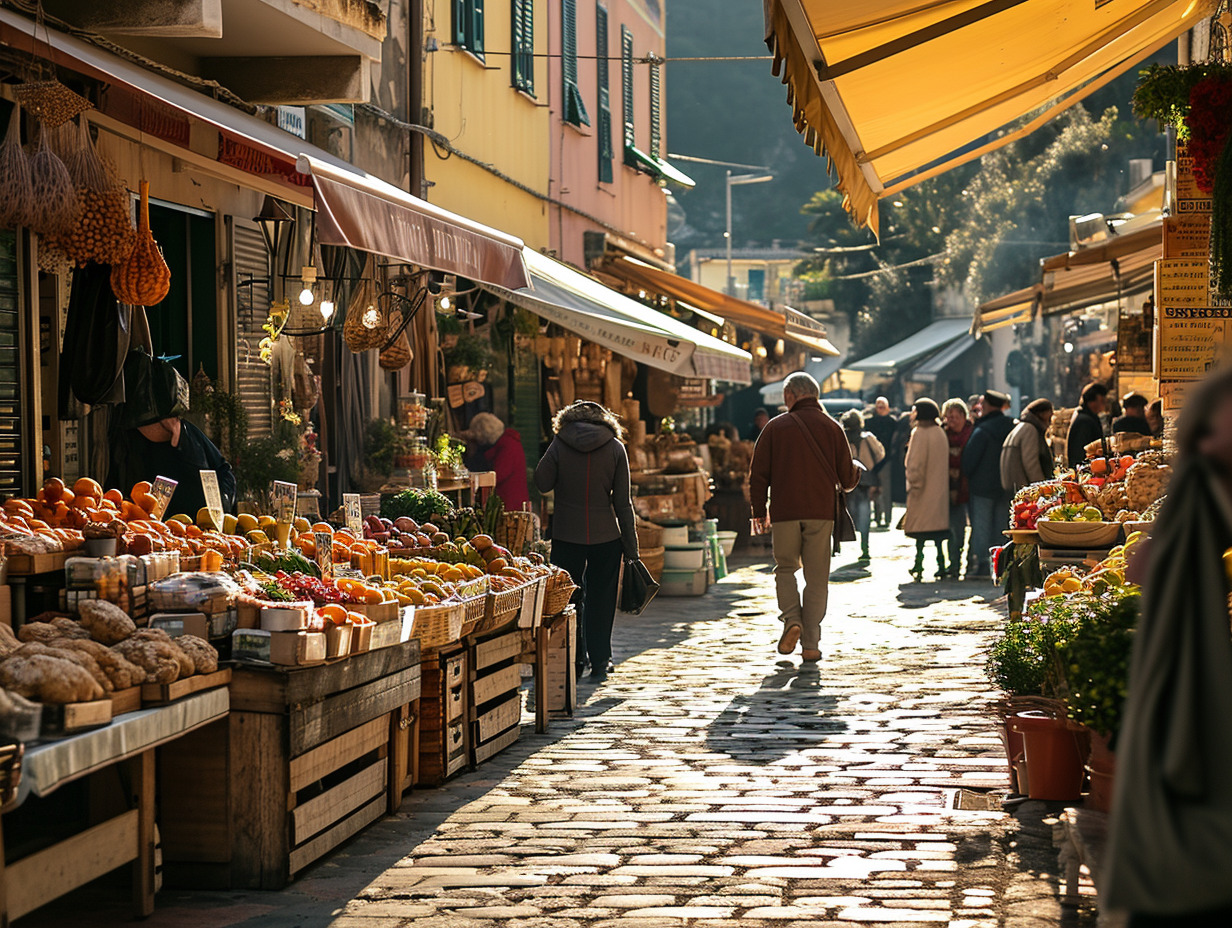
{"x": 789, "y": 639}
{"x": 597, "y": 676}
{"x": 810, "y": 655}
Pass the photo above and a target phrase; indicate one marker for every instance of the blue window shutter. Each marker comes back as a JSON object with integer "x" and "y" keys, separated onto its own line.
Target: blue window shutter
{"x": 605, "y": 96}
{"x": 626, "y": 81}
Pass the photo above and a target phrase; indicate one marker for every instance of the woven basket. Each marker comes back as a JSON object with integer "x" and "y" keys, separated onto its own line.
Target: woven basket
{"x": 473, "y": 611}
{"x": 500, "y": 609}
{"x": 555, "y": 601}
{"x": 11, "y": 754}
{"x": 649, "y": 535}
{"x": 437, "y": 626}
{"x": 653, "y": 559}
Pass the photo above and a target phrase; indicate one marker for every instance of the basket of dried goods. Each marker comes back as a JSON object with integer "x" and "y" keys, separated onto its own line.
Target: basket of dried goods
{"x": 559, "y": 591}
{"x": 143, "y": 279}
{"x": 104, "y": 232}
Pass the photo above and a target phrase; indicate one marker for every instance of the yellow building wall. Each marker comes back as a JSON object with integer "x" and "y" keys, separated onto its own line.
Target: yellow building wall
{"x": 473, "y": 103}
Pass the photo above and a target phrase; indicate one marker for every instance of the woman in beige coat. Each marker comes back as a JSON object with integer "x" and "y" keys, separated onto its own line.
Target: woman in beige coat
{"x": 928, "y": 486}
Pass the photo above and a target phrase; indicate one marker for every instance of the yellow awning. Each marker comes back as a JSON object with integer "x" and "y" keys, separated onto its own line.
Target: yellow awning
{"x": 1010, "y": 309}
{"x": 790, "y": 324}
{"x": 896, "y": 91}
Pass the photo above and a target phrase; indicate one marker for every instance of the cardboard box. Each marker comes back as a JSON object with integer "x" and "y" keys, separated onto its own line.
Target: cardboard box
{"x": 181, "y": 623}
{"x": 361, "y": 638}
{"x": 285, "y": 617}
{"x": 296, "y": 648}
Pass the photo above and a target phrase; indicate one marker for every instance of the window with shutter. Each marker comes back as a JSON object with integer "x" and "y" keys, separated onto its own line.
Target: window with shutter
{"x": 250, "y": 261}
{"x": 605, "y": 96}
{"x": 626, "y": 90}
{"x": 468, "y": 25}
{"x": 574, "y": 110}
{"x": 524, "y": 46}
{"x": 656, "y": 124}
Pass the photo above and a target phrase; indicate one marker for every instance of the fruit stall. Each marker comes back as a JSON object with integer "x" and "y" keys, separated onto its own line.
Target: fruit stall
{"x": 278, "y": 683}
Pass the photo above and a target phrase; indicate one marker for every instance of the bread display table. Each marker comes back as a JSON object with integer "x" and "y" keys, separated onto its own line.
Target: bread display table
{"x": 303, "y": 763}
{"x": 117, "y": 835}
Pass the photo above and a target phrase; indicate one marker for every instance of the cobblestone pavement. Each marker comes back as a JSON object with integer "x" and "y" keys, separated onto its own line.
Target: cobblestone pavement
{"x": 712, "y": 782}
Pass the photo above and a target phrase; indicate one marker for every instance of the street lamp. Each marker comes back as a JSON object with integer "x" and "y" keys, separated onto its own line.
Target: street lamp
{"x": 733, "y": 181}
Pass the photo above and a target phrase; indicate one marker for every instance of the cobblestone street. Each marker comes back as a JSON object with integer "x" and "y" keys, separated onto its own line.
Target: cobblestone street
{"x": 711, "y": 782}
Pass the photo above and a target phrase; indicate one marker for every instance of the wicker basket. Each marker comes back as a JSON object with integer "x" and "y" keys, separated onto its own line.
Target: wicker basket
{"x": 649, "y": 535}
{"x": 516, "y": 531}
{"x": 653, "y": 559}
{"x": 556, "y": 600}
{"x": 437, "y": 626}
{"x": 501, "y": 609}
{"x": 473, "y": 611}
{"x": 11, "y": 753}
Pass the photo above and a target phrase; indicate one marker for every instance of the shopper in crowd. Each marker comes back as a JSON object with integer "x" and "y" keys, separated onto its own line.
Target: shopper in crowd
{"x": 587, "y": 470}
{"x": 981, "y": 465}
{"x": 975, "y": 406}
{"x": 1169, "y": 853}
{"x": 493, "y": 447}
{"x": 928, "y": 486}
{"x": 1026, "y": 456}
{"x": 958, "y": 429}
{"x": 866, "y": 449}
{"x": 1155, "y": 418}
{"x": 1134, "y": 417}
{"x": 882, "y": 423}
{"x": 1085, "y": 425}
{"x": 760, "y": 418}
{"x": 898, "y": 457}
{"x": 801, "y": 459}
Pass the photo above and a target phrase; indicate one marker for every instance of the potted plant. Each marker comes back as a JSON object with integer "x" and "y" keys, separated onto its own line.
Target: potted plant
{"x": 469, "y": 358}
{"x": 1018, "y": 665}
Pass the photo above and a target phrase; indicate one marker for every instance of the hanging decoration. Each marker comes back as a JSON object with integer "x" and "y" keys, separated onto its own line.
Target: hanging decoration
{"x": 50, "y": 102}
{"x": 16, "y": 181}
{"x": 144, "y": 278}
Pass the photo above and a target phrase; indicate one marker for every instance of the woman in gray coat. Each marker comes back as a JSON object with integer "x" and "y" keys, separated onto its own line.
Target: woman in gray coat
{"x": 587, "y": 470}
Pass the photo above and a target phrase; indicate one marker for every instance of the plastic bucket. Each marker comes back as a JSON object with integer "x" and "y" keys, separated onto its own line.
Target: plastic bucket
{"x": 1054, "y": 756}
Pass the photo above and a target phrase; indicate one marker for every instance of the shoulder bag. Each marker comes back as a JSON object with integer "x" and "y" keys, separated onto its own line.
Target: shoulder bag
{"x": 637, "y": 587}
{"x": 844, "y": 525}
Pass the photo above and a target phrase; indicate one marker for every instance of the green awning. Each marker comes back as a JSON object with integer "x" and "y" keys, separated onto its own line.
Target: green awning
{"x": 660, "y": 169}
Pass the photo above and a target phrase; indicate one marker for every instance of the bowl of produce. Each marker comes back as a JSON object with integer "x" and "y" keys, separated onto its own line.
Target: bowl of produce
{"x": 1077, "y": 526}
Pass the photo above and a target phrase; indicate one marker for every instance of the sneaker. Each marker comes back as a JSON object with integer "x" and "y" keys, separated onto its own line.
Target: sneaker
{"x": 810, "y": 655}
{"x": 789, "y": 639}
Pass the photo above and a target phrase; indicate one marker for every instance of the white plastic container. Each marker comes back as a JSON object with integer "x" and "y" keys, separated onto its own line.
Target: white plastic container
{"x": 728, "y": 541}
{"x": 675, "y": 535}
{"x": 683, "y": 582}
{"x": 684, "y": 557}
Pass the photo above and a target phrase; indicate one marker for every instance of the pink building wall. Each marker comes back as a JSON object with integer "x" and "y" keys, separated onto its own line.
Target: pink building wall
{"x": 633, "y": 205}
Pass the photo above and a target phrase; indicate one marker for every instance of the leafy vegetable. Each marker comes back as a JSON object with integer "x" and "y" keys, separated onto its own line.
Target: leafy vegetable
{"x": 420, "y": 505}
{"x": 288, "y": 561}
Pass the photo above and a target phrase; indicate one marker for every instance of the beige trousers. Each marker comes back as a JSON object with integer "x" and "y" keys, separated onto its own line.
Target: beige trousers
{"x": 804, "y": 543}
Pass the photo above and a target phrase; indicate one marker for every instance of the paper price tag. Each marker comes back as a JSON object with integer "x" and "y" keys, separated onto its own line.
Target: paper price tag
{"x": 354, "y": 514}
{"x": 325, "y": 552}
{"x": 213, "y": 496}
{"x": 162, "y": 491}
{"x": 284, "y": 500}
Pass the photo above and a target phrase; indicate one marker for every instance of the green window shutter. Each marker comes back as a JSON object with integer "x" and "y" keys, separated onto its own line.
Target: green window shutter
{"x": 574, "y": 109}
{"x": 626, "y": 87}
{"x": 460, "y": 10}
{"x": 476, "y": 43}
{"x": 605, "y": 96}
{"x": 524, "y": 45}
{"x": 656, "y": 123}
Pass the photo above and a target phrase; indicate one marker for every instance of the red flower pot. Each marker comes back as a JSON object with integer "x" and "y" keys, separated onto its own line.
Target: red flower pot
{"x": 1101, "y": 767}
{"x": 1054, "y": 752}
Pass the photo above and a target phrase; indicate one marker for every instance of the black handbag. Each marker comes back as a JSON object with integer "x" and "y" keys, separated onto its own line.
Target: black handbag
{"x": 637, "y": 587}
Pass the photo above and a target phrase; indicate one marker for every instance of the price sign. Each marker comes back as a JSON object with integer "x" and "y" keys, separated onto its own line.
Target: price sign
{"x": 325, "y": 552}
{"x": 284, "y": 500}
{"x": 213, "y": 496}
{"x": 354, "y": 514}
{"x": 162, "y": 491}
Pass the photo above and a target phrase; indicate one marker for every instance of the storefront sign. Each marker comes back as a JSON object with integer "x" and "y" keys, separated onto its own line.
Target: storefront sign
{"x": 291, "y": 119}
{"x": 1187, "y": 237}
{"x": 162, "y": 491}
{"x": 1191, "y": 341}
{"x": 1182, "y": 282}
{"x": 354, "y": 514}
{"x": 213, "y": 496}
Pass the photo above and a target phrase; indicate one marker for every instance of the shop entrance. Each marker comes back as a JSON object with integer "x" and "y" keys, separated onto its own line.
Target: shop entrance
{"x": 184, "y": 326}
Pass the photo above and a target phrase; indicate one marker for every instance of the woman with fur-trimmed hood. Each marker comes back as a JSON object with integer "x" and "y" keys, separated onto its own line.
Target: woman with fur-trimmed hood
{"x": 587, "y": 470}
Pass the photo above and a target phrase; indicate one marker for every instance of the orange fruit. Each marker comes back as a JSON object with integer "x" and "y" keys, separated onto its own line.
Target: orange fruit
{"x": 53, "y": 489}
{"x": 98, "y": 515}
{"x": 340, "y": 552}
{"x": 372, "y": 595}
{"x": 145, "y": 500}
{"x": 176, "y": 528}
{"x": 67, "y": 498}
{"x": 141, "y": 486}
{"x": 114, "y": 496}
{"x": 333, "y": 613}
{"x": 322, "y": 527}
{"x": 88, "y": 486}
{"x": 307, "y": 546}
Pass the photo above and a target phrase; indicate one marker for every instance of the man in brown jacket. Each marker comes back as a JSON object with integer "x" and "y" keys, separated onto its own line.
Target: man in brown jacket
{"x": 800, "y": 458}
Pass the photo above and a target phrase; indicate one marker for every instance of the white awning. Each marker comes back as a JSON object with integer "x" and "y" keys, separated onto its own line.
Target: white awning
{"x": 932, "y": 337}
{"x": 604, "y": 317}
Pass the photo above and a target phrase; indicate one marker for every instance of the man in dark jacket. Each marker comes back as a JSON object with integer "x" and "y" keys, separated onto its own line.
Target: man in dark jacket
{"x": 882, "y": 423}
{"x": 1134, "y": 418}
{"x": 981, "y": 465}
{"x": 1085, "y": 425}
{"x": 802, "y": 457}
{"x": 587, "y": 469}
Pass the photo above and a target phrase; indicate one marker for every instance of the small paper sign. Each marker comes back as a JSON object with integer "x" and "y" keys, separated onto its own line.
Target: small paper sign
{"x": 284, "y": 500}
{"x": 213, "y": 496}
{"x": 325, "y": 552}
{"x": 354, "y": 514}
{"x": 162, "y": 491}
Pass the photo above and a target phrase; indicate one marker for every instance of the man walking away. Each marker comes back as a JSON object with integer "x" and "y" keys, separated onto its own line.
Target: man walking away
{"x": 958, "y": 429}
{"x": 800, "y": 459}
{"x": 1025, "y": 456}
{"x": 981, "y": 465}
{"x": 1085, "y": 425}
{"x": 882, "y": 425}
{"x": 1134, "y": 418}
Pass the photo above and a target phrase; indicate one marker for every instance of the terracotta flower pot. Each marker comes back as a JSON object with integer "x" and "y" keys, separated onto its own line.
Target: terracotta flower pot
{"x": 1101, "y": 767}
{"x": 1054, "y": 752}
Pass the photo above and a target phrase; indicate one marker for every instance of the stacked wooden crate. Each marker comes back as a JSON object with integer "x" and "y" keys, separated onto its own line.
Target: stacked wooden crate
{"x": 443, "y": 730}
{"x": 495, "y": 697}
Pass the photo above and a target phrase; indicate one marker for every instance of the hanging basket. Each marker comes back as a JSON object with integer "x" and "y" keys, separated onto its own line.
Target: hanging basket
{"x": 50, "y": 102}
{"x": 365, "y": 326}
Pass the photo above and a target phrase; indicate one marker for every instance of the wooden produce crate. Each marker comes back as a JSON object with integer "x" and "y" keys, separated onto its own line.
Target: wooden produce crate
{"x": 495, "y": 698}
{"x": 159, "y": 694}
{"x": 444, "y": 738}
{"x": 556, "y": 668}
{"x": 303, "y": 762}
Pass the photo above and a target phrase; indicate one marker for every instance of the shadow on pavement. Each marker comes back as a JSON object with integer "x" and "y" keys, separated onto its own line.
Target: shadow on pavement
{"x": 788, "y": 710}
{"x": 913, "y": 595}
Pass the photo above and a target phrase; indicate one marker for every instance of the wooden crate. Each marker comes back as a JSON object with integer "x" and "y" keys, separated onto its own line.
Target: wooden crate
{"x": 495, "y": 700}
{"x": 556, "y": 682}
{"x": 303, "y": 763}
{"x": 159, "y": 694}
{"x": 443, "y": 733}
